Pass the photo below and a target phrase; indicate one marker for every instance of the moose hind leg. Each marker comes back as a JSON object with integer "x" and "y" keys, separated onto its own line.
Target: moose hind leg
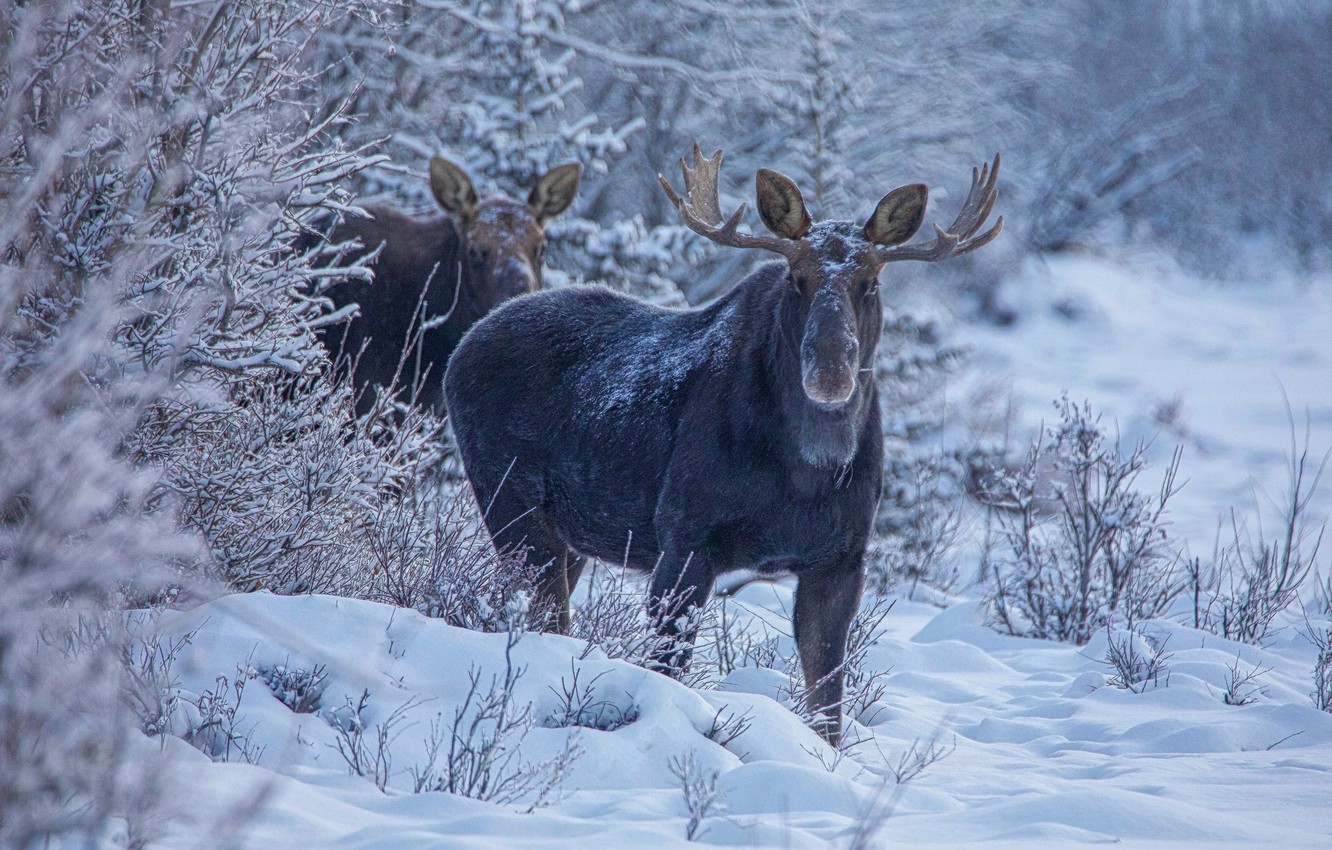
{"x": 825, "y": 603}
{"x": 518, "y": 527}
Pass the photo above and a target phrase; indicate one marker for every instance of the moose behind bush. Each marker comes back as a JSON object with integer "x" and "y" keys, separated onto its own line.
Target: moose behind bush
{"x": 690, "y": 443}
{"x": 433, "y": 278}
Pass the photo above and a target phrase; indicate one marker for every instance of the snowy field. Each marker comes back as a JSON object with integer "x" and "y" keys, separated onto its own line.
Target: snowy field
{"x": 1025, "y": 742}
{"x": 1138, "y": 336}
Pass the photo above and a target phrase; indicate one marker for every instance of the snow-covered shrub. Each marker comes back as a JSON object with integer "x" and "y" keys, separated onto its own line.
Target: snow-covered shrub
{"x": 919, "y": 757}
{"x": 1241, "y": 686}
{"x": 611, "y": 615}
{"x": 477, "y": 753}
{"x": 298, "y": 688}
{"x": 212, "y": 722}
{"x": 283, "y": 482}
{"x": 864, "y": 686}
{"x": 729, "y": 642}
{"x": 367, "y": 751}
{"x": 152, "y": 689}
{"x": 1319, "y": 633}
{"x": 1250, "y": 581}
{"x": 702, "y": 798}
{"x": 82, "y": 531}
{"x": 66, "y": 733}
{"x": 579, "y": 704}
{"x": 1321, "y": 695}
{"x": 428, "y": 550}
{"x": 1076, "y": 546}
{"x": 1246, "y": 587}
{"x": 727, "y": 725}
{"x": 1137, "y": 660}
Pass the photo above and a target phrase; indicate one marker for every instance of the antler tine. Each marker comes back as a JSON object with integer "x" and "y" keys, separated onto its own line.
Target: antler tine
{"x": 984, "y": 239}
{"x": 980, "y": 200}
{"x": 700, "y": 207}
{"x": 701, "y": 185}
{"x": 960, "y": 238}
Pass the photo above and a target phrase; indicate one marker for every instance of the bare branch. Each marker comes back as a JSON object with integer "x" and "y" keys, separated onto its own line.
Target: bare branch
{"x": 618, "y": 58}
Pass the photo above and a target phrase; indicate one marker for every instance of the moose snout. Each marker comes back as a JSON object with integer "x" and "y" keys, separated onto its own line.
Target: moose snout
{"x": 830, "y": 383}
{"x": 515, "y": 276}
{"x": 830, "y": 351}
{"x": 828, "y": 368}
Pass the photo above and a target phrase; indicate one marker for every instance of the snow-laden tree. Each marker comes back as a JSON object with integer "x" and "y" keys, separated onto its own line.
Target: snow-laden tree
{"x": 495, "y": 85}
{"x": 1194, "y": 126}
{"x": 165, "y": 409}
{"x": 824, "y": 107}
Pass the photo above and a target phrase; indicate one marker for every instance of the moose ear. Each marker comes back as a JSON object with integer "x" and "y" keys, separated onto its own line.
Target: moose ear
{"x": 780, "y": 204}
{"x": 898, "y": 216}
{"x": 555, "y": 191}
{"x": 452, "y": 187}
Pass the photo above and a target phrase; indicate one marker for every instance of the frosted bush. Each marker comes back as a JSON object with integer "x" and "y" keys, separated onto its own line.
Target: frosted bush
{"x": 1076, "y": 546}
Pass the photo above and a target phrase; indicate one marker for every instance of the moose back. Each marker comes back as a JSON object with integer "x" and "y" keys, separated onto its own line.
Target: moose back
{"x": 689, "y": 443}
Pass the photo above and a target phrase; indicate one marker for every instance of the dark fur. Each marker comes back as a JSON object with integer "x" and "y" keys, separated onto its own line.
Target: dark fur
{"x": 591, "y": 424}
{"x": 411, "y": 252}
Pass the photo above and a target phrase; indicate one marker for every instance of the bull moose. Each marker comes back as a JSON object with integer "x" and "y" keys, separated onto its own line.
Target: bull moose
{"x": 688, "y": 443}
{"x": 436, "y": 277}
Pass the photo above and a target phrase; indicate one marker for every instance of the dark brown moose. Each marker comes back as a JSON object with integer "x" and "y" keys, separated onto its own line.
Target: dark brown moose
{"x": 434, "y": 278}
{"x": 687, "y": 443}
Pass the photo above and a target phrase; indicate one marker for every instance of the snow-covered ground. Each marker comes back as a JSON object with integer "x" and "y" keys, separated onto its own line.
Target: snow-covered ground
{"x": 1035, "y": 748}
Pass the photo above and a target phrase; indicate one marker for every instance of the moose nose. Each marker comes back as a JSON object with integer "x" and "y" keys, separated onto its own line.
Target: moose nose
{"x": 829, "y": 352}
{"x": 515, "y": 276}
{"x": 831, "y": 378}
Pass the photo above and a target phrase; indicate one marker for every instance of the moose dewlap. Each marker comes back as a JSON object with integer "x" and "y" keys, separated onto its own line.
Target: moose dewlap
{"x": 687, "y": 443}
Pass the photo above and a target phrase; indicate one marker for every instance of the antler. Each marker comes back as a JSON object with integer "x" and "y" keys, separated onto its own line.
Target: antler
{"x": 958, "y": 238}
{"x": 702, "y": 211}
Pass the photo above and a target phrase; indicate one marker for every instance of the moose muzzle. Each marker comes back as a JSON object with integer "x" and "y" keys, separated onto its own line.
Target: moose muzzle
{"x": 830, "y": 351}
{"x": 515, "y": 276}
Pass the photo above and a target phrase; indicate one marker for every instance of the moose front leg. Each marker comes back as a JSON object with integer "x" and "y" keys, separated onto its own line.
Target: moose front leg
{"x": 825, "y": 602}
{"x": 678, "y": 592}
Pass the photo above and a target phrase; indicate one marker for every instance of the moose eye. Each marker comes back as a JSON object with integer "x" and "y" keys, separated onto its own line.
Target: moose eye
{"x": 870, "y": 287}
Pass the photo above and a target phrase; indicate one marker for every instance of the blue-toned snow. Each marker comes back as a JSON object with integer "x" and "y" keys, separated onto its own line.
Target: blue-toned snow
{"x": 1041, "y": 752}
